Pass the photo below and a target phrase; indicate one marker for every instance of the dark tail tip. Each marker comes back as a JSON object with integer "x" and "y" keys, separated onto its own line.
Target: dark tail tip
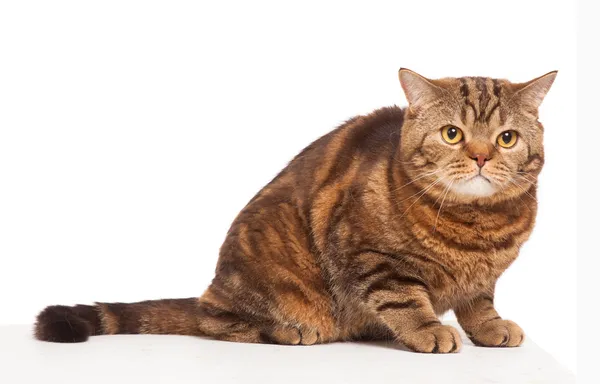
{"x": 62, "y": 324}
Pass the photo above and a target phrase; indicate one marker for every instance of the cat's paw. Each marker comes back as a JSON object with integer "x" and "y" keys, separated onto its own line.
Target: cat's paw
{"x": 435, "y": 338}
{"x": 293, "y": 335}
{"x": 498, "y": 333}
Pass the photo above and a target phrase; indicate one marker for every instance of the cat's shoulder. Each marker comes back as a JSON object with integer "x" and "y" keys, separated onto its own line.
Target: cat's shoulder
{"x": 374, "y": 130}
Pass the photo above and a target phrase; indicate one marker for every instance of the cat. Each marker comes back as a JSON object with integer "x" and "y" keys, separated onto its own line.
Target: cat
{"x": 371, "y": 232}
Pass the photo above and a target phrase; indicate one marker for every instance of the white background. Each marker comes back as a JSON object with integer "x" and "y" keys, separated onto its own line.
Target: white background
{"x": 588, "y": 209}
{"x": 132, "y": 133}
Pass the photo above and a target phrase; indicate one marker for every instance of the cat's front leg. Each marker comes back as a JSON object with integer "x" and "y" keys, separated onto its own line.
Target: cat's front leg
{"x": 402, "y": 301}
{"x": 485, "y": 327}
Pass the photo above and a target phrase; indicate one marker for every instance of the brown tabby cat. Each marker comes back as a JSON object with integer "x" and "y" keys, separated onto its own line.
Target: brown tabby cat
{"x": 371, "y": 232}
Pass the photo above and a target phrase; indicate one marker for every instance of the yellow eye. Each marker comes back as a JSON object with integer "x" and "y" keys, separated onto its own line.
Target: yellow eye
{"x": 452, "y": 134}
{"x": 507, "y": 139}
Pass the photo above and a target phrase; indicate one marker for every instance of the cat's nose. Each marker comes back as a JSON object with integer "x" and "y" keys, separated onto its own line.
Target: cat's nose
{"x": 480, "y": 158}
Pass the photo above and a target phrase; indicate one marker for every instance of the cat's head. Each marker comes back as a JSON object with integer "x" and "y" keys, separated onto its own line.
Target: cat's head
{"x": 473, "y": 138}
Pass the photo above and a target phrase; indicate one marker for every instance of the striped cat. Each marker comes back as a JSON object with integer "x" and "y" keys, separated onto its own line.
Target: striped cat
{"x": 371, "y": 232}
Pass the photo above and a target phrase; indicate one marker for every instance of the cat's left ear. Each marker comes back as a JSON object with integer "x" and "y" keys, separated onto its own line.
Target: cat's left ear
{"x": 534, "y": 91}
{"x": 418, "y": 89}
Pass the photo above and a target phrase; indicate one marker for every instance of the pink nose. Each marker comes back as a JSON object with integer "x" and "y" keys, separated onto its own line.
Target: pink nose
{"x": 480, "y": 158}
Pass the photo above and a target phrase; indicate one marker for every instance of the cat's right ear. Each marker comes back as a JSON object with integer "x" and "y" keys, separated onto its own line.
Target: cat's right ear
{"x": 418, "y": 89}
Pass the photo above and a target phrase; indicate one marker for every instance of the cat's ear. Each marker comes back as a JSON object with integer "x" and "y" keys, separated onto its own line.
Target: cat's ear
{"x": 533, "y": 92}
{"x": 418, "y": 89}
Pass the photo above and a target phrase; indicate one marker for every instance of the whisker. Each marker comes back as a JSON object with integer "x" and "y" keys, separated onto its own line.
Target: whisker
{"x": 421, "y": 195}
{"x": 530, "y": 181}
{"x": 421, "y": 191}
{"x": 442, "y": 204}
{"x": 503, "y": 188}
{"x": 522, "y": 189}
{"x": 524, "y": 203}
{"x": 527, "y": 176}
{"x": 527, "y": 181}
{"x": 502, "y": 167}
{"x": 417, "y": 178}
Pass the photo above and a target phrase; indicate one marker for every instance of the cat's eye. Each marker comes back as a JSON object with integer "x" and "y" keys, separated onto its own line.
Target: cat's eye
{"x": 452, "y": 134}
{"x": 507, "y": 139}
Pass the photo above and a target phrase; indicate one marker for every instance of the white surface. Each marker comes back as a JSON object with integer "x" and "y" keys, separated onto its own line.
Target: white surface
{"x": 183, "y": 359}
{"x": 132, "y": 132}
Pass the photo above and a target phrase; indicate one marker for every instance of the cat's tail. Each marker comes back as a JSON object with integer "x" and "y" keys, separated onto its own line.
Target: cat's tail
{"x": 64, "y": 324}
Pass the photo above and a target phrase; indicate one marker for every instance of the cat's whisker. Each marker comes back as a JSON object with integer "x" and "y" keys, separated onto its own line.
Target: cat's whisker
{"x": 527, "y": 181}
{"x": 522, "y": 189}
{"x": 523, "y": 201}
{"x": 527, "y": 176}
{"x": 442, "y": 203}
{"x": 503, "y": 188}
{"x": 421, "y": 195}
{"x": 417, "y": 178}
{"x": 421, "y": 191}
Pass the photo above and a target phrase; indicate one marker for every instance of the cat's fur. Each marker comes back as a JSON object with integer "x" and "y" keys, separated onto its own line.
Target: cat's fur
{"x": 370, "y": 232}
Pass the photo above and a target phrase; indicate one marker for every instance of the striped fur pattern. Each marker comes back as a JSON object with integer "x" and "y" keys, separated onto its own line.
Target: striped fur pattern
{"x": 371, "y": 232}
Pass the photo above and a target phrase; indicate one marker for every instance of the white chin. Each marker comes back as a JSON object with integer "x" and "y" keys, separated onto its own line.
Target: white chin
{"x": 477, "y": 186}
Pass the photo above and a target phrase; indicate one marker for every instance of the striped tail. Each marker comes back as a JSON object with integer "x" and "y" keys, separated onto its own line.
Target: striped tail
{"x": 63, "y": 324}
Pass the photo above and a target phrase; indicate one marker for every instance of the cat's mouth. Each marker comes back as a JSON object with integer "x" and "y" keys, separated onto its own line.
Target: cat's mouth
{"x": 478, "y": 185}
{"x": 480, "y": 176}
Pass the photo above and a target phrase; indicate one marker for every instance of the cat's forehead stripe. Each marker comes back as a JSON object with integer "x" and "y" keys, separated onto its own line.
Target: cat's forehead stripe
{"x": 484, "y": 96}
{"x": 464, "y": 90}
{"x": 480, "y": 94}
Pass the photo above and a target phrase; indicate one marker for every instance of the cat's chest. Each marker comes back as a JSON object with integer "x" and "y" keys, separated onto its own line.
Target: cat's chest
{"x": 474, "y": 250}
{"x": 467, "y": 229}
{"x": 457, "y": 277}
{"x": 460, "y": 262}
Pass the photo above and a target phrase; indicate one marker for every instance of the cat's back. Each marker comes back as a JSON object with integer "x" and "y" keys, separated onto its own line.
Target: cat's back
{"x": 298, "y": 204}
{"x": 362, "y": 140}
{"x": 368, "y": 136}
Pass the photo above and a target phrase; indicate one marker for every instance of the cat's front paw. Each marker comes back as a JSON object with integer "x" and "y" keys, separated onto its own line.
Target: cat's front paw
{"x": 435, "y": 338}
{"x": 497, "y": 333}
